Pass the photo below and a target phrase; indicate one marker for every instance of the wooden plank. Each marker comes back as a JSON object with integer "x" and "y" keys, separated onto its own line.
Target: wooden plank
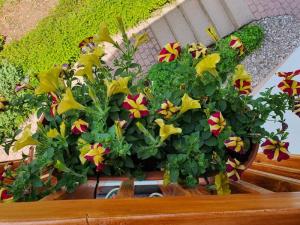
{"x": 245, "y": 187}
{"x": 59, "y": 195}
{"x": 275, "y": 209}
{"x": 292, "y": 162}
{"x": 279, "y": 170}
{"x": 270, "y": 181}
{"x": 126, "y": 189}
{"x": 174, "y": 190}
{"x": 200, "y": 190}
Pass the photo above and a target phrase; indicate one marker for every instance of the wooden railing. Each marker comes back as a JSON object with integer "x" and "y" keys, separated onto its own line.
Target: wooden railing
{"x": 267, "y": 194}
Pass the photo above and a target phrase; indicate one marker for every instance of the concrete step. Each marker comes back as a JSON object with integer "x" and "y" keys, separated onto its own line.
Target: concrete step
{"x": 198, "y": 20}
{"x": 219, "y": 17}
{"x": 238, "y": 11}
{"x": 180, "y": 27}
{"x": 162, "y": 32}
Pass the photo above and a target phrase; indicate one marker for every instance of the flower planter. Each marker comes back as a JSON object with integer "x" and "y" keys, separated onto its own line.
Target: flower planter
{"x": 151, "y": 186}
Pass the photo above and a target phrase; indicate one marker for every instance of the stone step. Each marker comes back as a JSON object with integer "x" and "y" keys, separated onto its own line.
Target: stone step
{"x": 238, "y": 11}
{"x": 180, "y": 27}
{"x": 219, "y": 17}
{"x": 162, "y": 31}
{"x": 198, "y": 20}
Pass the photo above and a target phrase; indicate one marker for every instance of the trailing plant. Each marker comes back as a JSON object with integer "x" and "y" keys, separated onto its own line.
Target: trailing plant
{"x": 95, "y": 121}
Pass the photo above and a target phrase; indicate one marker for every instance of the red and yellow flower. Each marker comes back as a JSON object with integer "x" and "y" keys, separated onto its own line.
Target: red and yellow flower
{"x": 276, "y": 150}
{"x": 236, "y": 43}
{"x": 243, "y": 86}
{"x": 170, "y": 52}
{"x": 235, "y": 144}
{"x": 87, "y": 45}
{"x": 197, "y": 50}
{"x": 96, "y": 155}
{"x": 216, "y": 123}
{"x": 291, "y": 87}
{"x": 167, "y": 109}
{"x": 288, "y": 75}
{"x": 5, "y": 196}
{"x": 136, "y": 105}
{"x": 79, "y": 127}
{"x": 242, "y": 80}
{"x": 54, "y": 104}
{"x": 296, "y": 109}
{"x": 234, "y": 169}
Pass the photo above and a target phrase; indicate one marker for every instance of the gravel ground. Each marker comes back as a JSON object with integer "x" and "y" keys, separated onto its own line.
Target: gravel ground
{"x": 282, "y": 36}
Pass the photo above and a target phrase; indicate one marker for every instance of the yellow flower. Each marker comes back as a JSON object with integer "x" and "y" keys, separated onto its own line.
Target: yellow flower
{"x": 68, "y": 102}
{"x": 166, "y": 130}
{"x": 103, "y": 35}
{"x": 140, "y": 39}
{"x": 62, "y": 128}
{"x": 211, "y": 31}
{"x": 85, "y": 148}
{"x": 121, "y": 25}
{"x": 120, "y": 85}
{"x": 25, "y": 140}
{"x": 52, "y": 133}
{"x": 222, "y": 184}
{"x": 188, "y": 103}
{"x": 119, "y": 125}
{"x": 49, "y": 81}
{"x": 241, "y": 74}
{"x": 88, "y": 61}
{"x": 208, "y": 64}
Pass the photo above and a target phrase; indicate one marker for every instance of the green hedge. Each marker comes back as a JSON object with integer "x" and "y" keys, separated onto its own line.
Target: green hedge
{"x": 56, "y": 38}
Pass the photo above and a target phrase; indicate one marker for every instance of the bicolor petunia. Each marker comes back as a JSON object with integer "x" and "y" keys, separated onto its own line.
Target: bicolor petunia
{"x": 87, "y": 45}
{"x": 136, "y": 105}
{"x": 216, "y": 123}
{"x": 96, "y": 155}
{"x": 54, "y": 104}
{"x": 291, "y": 87}
{"x": 197, "y": 50}
{"x": 79, "y": 127}
{"x": 5, "y": 196}
{"x": 167, "y": 109}
{"x": 236, "y": 43}
{"x": 170, "y": 52}
{"x": 234, "y": 144}
{"x": 275, "y": 150}
{"x": 244, "y": 87}
{"x": 288, "y": 75}
{"x": 234, "y": 169}
{"x": 296, "y": 109}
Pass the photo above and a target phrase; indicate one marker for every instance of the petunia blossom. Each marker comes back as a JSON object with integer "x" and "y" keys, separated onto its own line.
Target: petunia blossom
{"x": 169, "y": 52}
{"x": 234, "y": 169}
{"x": 136, "y": 105}
{"x": 96, "y": 155}
{"x": 275, "y": 150}
{"x": 216, "y": 123}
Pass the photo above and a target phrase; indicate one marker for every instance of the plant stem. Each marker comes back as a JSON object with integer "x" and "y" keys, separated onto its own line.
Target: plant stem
{"x": 97, "y": 184}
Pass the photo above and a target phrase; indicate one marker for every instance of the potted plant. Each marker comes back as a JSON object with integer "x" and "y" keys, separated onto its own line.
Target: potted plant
{"x": 191, "y": 116}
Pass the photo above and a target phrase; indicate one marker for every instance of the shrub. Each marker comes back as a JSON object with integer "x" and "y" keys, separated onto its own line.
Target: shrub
{"x": 19, "y": 107}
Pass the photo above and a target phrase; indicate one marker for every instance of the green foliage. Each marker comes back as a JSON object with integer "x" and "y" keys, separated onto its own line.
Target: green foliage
{"x": 20, "y": 104}
{"x": 56, "y": 38}
{"x": 251, "y": 36}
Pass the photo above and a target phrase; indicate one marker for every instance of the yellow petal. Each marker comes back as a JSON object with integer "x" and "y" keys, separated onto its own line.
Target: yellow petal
{"x": 208, "y": 63}
{"x": 25, "y": 140}
{"x": 222, "y": 184}
{"x": 52, "y": 133}
{"x": 103, "y": 35}
{"x": 241, "y": 74}
{"x": 212, "y": 33}
{"x": 120, "y": 85}
{"x": 49, "y": 81}
{"x": 62, "y": 128}
{"x": 166, "y": 130}
{"x": 140, "y": 39}
{"x": 188, "y": 103}
{"x": 68, "y": 103}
